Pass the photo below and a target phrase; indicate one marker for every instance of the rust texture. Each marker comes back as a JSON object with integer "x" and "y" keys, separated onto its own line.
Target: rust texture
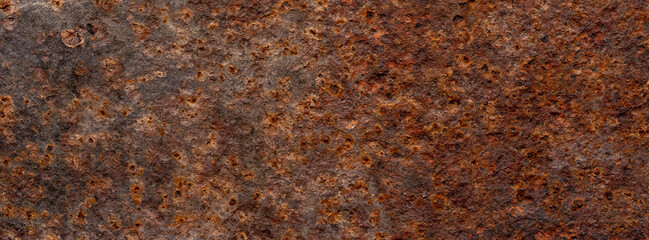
{"x": 324, "y": 119}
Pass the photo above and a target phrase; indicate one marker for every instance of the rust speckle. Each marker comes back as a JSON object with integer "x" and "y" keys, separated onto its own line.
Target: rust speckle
{"x": 72, "y": 38}
{"x": 6, "y": 6}
{"x": 107, "y": 5}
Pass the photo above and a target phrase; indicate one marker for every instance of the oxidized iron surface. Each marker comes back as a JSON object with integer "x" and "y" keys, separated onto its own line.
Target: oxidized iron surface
{"x": 324, "y": 119}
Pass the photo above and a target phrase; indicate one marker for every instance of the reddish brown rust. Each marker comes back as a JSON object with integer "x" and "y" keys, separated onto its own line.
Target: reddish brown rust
{"x": 323, "y": 119}
{"x": 72, "y": 38}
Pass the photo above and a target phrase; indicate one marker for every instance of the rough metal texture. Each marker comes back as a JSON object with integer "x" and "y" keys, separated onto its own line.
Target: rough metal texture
{"x": 325, "y": 119}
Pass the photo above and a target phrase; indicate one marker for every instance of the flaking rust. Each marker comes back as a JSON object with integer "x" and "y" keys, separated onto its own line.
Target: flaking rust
{"x": 324, "y": 119}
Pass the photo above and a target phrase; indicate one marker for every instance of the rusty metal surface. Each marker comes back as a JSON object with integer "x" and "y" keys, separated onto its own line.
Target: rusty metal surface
{"x": 325, "y": 119}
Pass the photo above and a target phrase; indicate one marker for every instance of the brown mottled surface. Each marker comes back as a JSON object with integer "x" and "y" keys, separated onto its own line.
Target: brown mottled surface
{"x": 324, "y": 119}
